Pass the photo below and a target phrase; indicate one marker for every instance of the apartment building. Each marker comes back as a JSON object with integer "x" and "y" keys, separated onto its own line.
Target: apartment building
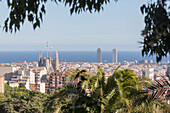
{"x": 58, "y": 79}
{"x": 38, "y": 86}
{"x": 17, "y": 79}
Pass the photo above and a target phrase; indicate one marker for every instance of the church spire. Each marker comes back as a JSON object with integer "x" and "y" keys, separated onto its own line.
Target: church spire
{"x": 40, "y": 59}
{"x": 40, "y": 55}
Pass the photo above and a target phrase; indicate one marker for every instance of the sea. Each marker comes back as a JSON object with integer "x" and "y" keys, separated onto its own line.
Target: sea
{"x": 75, "y": 56}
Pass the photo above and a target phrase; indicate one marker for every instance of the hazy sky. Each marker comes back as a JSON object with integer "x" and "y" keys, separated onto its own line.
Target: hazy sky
{"x": 118, "y": 26}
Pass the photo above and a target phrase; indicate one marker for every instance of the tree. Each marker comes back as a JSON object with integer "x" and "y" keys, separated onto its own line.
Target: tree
{"x": 120, "y": 93}
{"x": 157, "y": 29}
{"x": 33, "y": 11}
{"x": 22, "y": 85}
{"x": 21, "y": 100}
{"x": 20, "y": 10}
{"x": 49, "y": 91}
{"x": 148, "y": 100}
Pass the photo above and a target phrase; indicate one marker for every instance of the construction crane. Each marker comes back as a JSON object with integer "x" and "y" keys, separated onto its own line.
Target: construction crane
{"x": 46, "y": 44}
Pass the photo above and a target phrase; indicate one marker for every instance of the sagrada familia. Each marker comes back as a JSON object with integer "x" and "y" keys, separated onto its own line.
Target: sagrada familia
{"x": 50, "y": 64}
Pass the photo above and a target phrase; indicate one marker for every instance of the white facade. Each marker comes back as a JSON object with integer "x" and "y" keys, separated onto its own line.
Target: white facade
{"x": 31, "y": 76}
{"x": 16, "y": 80}
{"x": 14, "y": 84}
{"x": 42, "y": 87}
{"x": 39, "y": 72}
{"x": 149, "y": 73}
{"x": 27, "y": 84}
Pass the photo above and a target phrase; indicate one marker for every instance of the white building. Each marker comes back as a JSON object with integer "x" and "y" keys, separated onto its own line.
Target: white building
{"x": 31, "y": 76}
{"x": 41, "y": 87}
{"x": 39, "y": 72}
{"x": 17, "y": 79}
{"x": 149, "y": 73}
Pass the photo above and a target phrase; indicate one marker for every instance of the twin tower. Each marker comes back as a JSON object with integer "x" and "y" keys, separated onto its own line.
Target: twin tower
{"x": 99, "y": 56}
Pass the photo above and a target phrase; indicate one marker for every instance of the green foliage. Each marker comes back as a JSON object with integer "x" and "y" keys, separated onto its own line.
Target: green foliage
{"x": 94, "y": 94}
{"x": 121, "y": 92}
{"x": 21, "y": 10}
{"x": 22, "y": 85}
{"x": 22, "y": 100}
{"x": 33, "y": 11}
{"x": 157, "y": 29}
{"x": 78, "y": 6}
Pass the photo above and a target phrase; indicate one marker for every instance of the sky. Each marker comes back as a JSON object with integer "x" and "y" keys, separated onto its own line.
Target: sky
{"x": 118, "y": 26}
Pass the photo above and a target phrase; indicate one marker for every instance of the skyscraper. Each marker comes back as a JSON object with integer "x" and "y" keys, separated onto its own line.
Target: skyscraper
{"x": 56, "y": 62}
{"x": 114, "y": 56}
{"x": 99, "y": 55}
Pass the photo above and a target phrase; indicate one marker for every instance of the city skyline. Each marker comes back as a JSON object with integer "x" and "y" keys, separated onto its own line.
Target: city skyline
{"x": 89, "y": 56}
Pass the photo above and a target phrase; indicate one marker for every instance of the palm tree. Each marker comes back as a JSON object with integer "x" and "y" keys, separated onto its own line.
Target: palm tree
{"x": 150, "y": 99}
{"x": 116, "y": 92}
{"x": 95, "y": 94}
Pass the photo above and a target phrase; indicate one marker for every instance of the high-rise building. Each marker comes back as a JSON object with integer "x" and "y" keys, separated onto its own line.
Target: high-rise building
{"x": 39, "y": 86}
{"x": 114, "y": 56}
{"x": 58, "y": 79}
{"x": 56, "y": 62}
{"x": 99, "y": 55}
{"x": 39, "y": 73}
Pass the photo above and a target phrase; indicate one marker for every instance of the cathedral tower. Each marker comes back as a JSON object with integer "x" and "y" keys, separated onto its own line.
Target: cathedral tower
{"x": 40, "y": 60}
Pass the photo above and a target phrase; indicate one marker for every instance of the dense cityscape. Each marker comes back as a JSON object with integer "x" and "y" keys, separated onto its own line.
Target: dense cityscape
{"x": 48, "y": 74}
{"x": 133, "y": 77}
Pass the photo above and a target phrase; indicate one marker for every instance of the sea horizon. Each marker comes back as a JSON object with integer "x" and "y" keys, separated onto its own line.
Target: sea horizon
{"x": 75, "y": 56}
